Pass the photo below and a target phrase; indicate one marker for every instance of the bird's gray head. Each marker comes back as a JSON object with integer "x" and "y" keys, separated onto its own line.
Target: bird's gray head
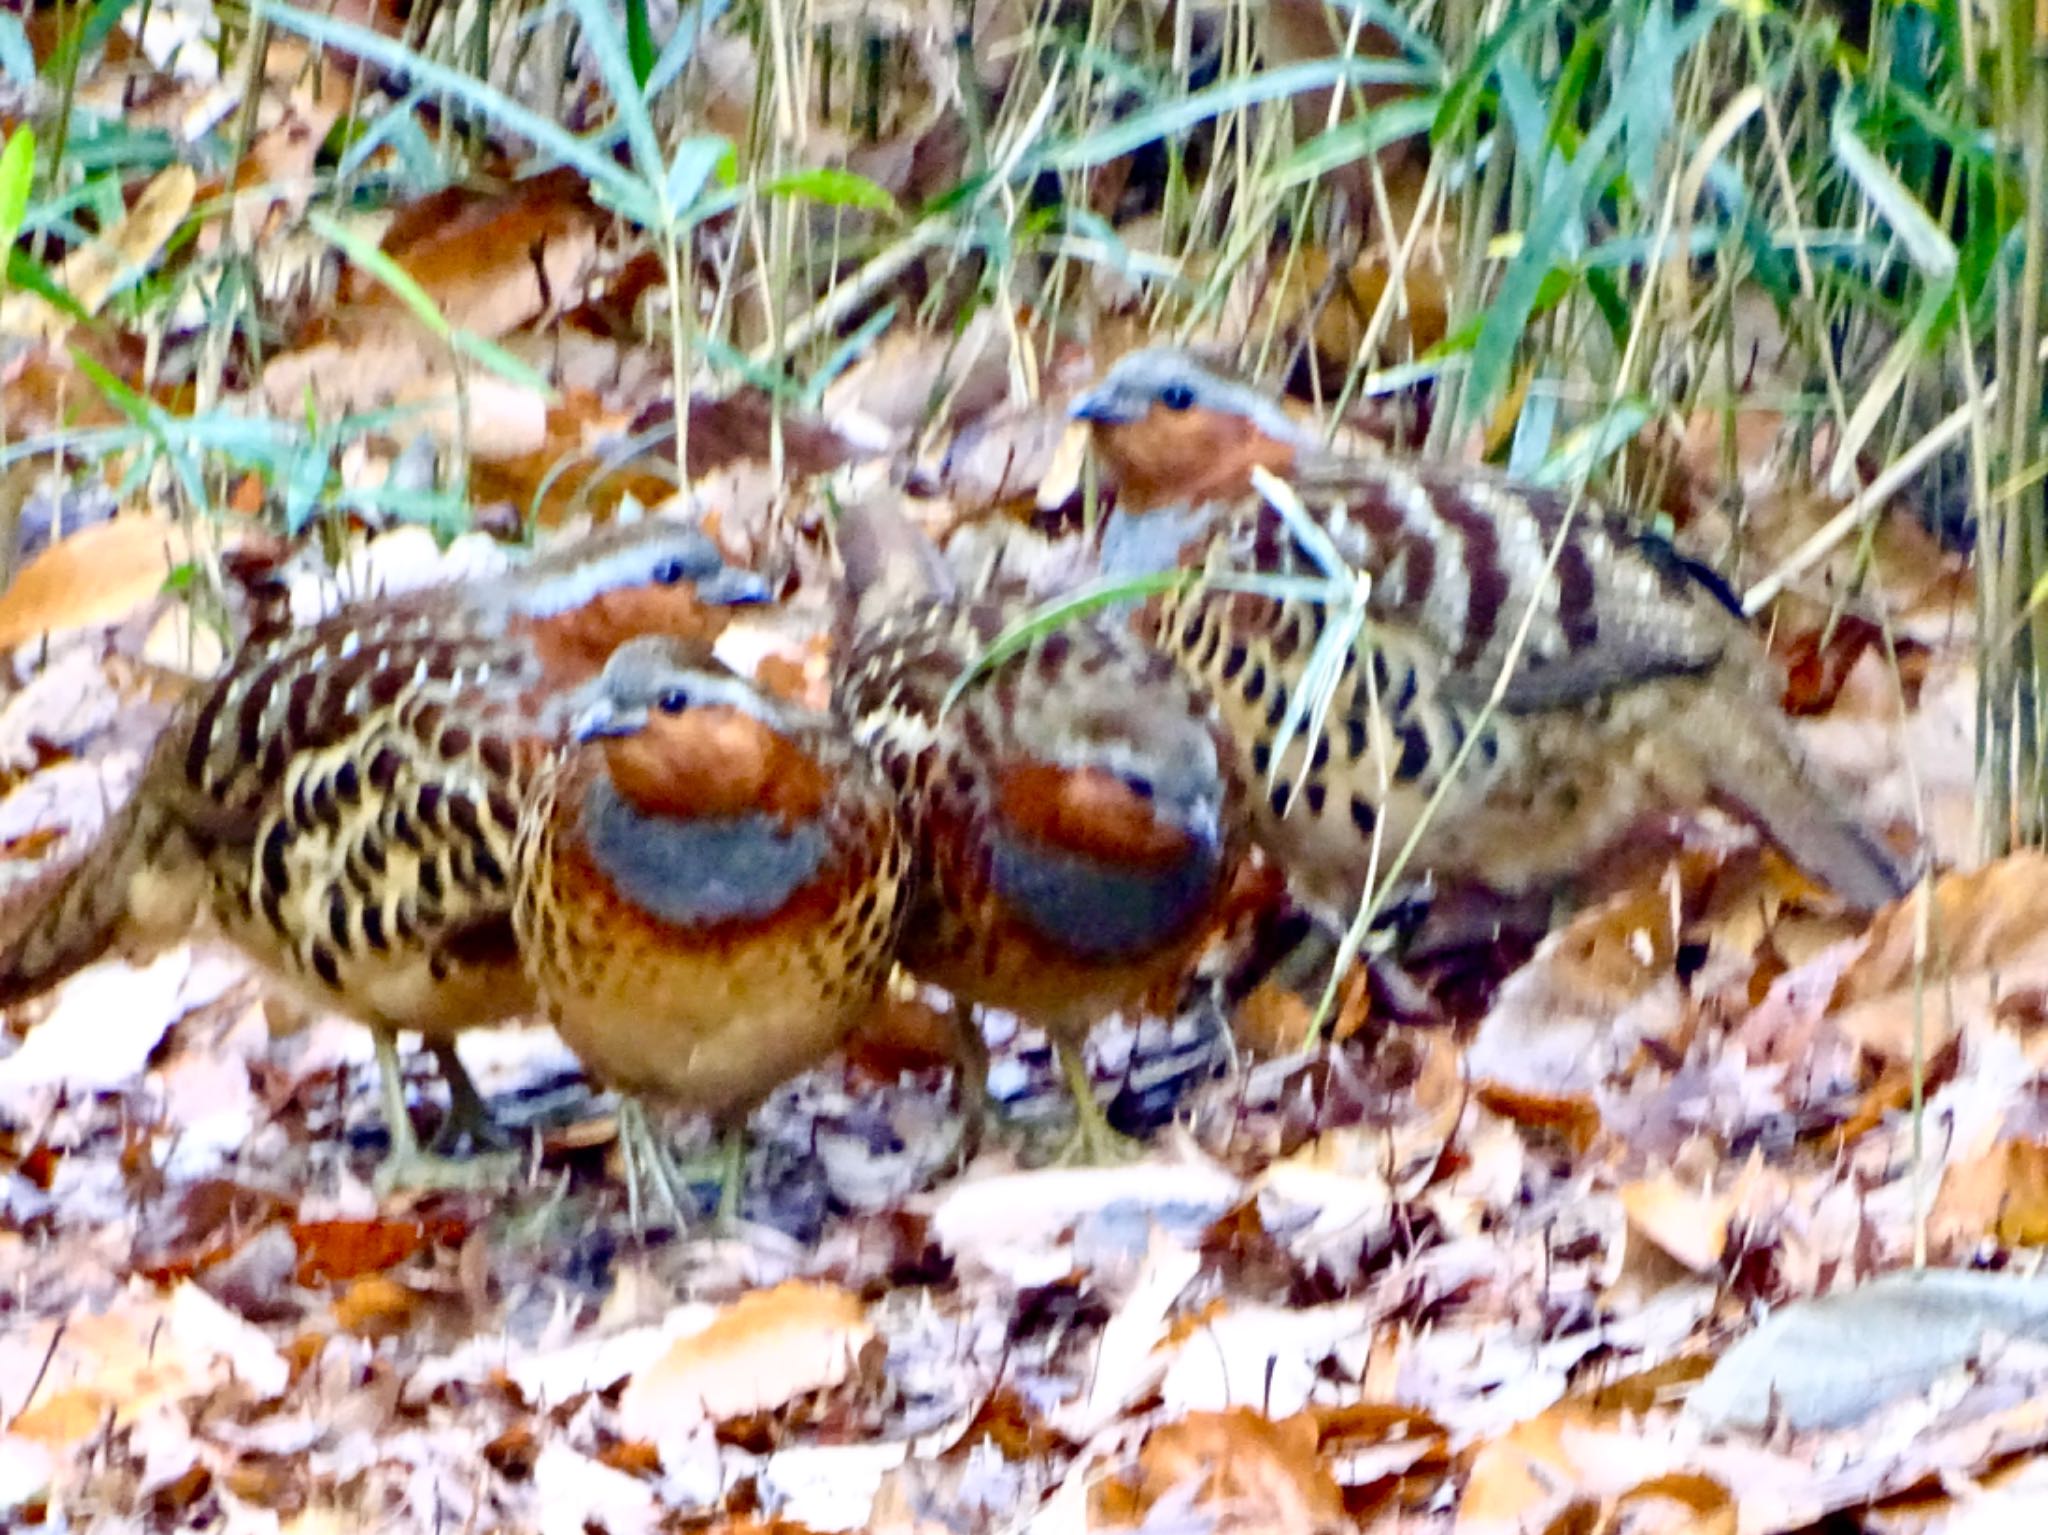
{"x": 1166, "y": 759}
{"x": 655, "y": 677}
{"x": 1163, "y": 378}
{"x": 1160, "y": 752}
{"x": 652, "y": 554}
{"x": 709, "y": 809}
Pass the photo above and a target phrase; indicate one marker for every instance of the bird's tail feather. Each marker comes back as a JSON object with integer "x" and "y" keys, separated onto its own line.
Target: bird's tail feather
{"x": 886, "y": 562}
{"x": 137, "y": 884}
{"x": 1755, "y": 769}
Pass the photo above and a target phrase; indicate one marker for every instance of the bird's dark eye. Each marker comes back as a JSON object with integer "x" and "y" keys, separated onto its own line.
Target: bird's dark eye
{"x": 674, "y": 701}
{"x": 1142, "y": 787}
{"x": 669, "y": 571}
{"x": 1177, "y": 396}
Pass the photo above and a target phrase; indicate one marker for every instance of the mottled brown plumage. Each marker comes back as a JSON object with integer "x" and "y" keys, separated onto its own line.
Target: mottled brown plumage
{"x": 342, "y": 801}
{"x": 1637, "y": 684}
{"x": 711, "y": 887}
{"x": 1074, "y": 810}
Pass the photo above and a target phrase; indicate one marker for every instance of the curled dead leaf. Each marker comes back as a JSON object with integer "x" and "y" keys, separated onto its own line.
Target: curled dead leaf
{"x": 1986, "y": 938}
{"x": 96, "y": 576}
{"x": 124, "y": 251}
{"x": 764, "y": 1350}
{"x": 1690, "y": 1224}
{"x": 2001, "y": 1194}
{"x": 1239, "y": 1470}
{"x": 376, "y": 1306}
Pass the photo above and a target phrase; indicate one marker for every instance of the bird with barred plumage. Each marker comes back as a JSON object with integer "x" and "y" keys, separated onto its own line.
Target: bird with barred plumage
{"x": 1075, "y": 811}
{"x": 342, "y": 801}
{"x": 1532, "y": 675}
{"x": 710, "y": 887}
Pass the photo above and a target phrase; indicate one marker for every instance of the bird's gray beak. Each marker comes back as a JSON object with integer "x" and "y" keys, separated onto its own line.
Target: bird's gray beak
{"x": 731, "y": 587}
{"x": 1105, "y": 406}
{"x": 601, "y": 719}
{"x": 1199, "y": 814}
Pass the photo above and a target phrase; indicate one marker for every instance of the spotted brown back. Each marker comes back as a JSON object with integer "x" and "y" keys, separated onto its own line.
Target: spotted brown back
{"x": 341, "y": 798}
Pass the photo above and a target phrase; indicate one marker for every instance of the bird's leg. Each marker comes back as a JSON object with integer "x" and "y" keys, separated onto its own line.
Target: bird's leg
{"x": 732, "y": 1182}
{"x": 405, "y": 1164}
{"x": 391, "y": 1085}
{"x": 647, "y": 1158}
{"x": 970, "y": 1072}
{"x": 1094, "y": 1142}
{"x": 469, "y": 1116}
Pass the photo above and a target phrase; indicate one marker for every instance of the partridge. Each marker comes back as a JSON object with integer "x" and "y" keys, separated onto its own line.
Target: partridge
{"x": 1075, "y": 812}
{"x": 342, "y": 802}
{"x": 710, "y": 886}
{"x": 1636, "y": 687}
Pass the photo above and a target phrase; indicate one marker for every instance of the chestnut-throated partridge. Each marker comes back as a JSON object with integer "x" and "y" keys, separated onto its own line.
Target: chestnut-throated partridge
{"x": 710, "y": 888}
{"x": 1636, "y": 687}
{"x": 341, "y": 802}
{"x": 1076, "y": 816}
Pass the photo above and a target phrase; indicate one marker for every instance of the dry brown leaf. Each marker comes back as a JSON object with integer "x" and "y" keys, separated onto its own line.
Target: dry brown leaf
{"x": 1002, "y": 458}
{"x": 490, "y": 261}
{"x": 1987, "y": 939}
{"x": 140, "y": 1354}
{"x": 1294, "y": 31}
{"x": 1245, "y": 1472}
{"x": 1062, "y": 480}
{"x": 44, "y": 388}
{"x": 1569, "y": 1466}
{"x": 274, "y": 181}
{"x": 96, "y": 576}
{"x": 1407, "y": 1150}
{"x": 900, "y": 381}
{"x": 1688, "y": 1223}
{"x": 1588, "y": 997}
{"x": 2002, "y": 1194}
{"x": 350, "y": 1249}
{"x": 1274, "y": 1018}
{"x": 491, "y": 264}
{"x": 1416, "y": 321}
{"x": 376, "y": 1307}
{"x": 767, "y": 1348}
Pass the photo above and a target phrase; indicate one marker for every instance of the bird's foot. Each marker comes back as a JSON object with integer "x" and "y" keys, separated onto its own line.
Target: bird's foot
{"x": 407, "y": 1168}
{"x": 1096, "y": 1143}
{"x": 469, "y": 1124}
{"x": 654, "y": 1176}
{"x": 411, "y": 1170}
{"x": 461, "y": 1134}
{"x": 1093, "y": 1142}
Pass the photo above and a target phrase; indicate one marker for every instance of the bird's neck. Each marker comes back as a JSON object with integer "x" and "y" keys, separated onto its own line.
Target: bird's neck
{"x": 1103, "y": 912}
{"x": 1188, "y": 457}
{"x": 716, "y": 764}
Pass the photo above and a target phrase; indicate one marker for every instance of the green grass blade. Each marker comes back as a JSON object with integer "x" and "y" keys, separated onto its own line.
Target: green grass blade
{"x": 589, "y": 156}
{"x": 1175, "y": 117}
{"x": 1929, "y": 249}
{"x": 17, "y": 175}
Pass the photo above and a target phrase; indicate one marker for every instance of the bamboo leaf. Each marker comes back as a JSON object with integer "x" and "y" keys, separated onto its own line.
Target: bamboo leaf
{"x": 1929, "y": 249}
